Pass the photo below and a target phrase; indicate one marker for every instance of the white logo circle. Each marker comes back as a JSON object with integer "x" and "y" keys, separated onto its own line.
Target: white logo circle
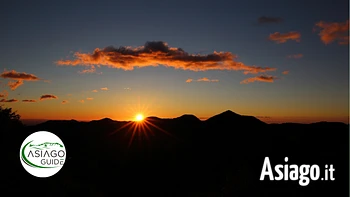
{"x": 42, "y": 154}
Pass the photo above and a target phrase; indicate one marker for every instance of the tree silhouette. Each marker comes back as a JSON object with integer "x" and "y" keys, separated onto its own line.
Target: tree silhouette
{"x": 9, "y": 119}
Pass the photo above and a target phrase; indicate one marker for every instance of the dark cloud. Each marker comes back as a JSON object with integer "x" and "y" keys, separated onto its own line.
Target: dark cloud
{"x": 18, "y": 76}
{"x": 265, "y": 19}
{"x": 29, "y": 101}
{"x": 48, "y": 96}
{"x": 9, "y": 101}
{"x": 159, "y": 53}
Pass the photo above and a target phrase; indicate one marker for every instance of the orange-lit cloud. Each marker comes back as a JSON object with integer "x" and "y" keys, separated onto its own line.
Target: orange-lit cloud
{"x": 89, "y": 99}
{"x": 159, "y": 53}
{"x": 9, "y": 101}
{"x": 48, "y": 96}
{"x": 94, "y": 91}
{"x": 330, "y": 32}
{"x": 262, "y": 78}
{"x": 189, "y": 80}
{"x": 265, "y": 19}
{"x": 64, "y": 102}
{"x": 15, "y": 84}
{"x": 204, "y": 79}
{"x": 104, "y": 88}
{"x": 207, "y": 80}
{"x": 17, "y": 78}
{"x": 3, "y": 94}
{"x": 296, "y": 56}
{"x": 29, "y": 101}
{"x": 284, "y": 37}
{"x": 81, "y": 101}
{"x": 285, "y": 72}
{"x": 92, "y": 69}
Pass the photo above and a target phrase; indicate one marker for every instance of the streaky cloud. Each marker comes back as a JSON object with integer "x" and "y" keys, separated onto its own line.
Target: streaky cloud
{"x": 284, "y": 37}
{"x": 261, "y": 78}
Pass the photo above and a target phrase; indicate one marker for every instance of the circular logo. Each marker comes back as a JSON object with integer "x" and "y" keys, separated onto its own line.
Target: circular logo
{"x": 42, "y": 154}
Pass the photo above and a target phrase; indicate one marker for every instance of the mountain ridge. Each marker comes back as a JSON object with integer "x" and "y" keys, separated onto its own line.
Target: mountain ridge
{"x": 227, "y": 116}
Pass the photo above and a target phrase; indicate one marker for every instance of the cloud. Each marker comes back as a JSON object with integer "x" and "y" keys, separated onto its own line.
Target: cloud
{"x": 159, "y": 53}
{"x": 127, "y": 88}
{"x": 29, "y": 101}
{"x": 104, "y": 88}
{"x": 48, "y": 96}
{"x": 284, "y": 37}
{"x": 81, "y": 101}
{"x": 296, "y": 56}
{"x": 261, "y": 78}
{"x": 17, "y": 78}
{"x": 64, "y": 102}
{"x": 189, "y": 80}
{"x": 92, "y": 69}
{"x": 3, "y": 94}
{"x": 204, "y": 79}
{"x": 89, "y": 99}
{"x": 15, "y": 84}
{"x": 94, "y": 91}
{"x": 265, "y": 19}
{"x": 286, "y": 72}
{"x": 9, "y": 101}
{"x": 207, "y": 80}
{"x": 330, "y": 32}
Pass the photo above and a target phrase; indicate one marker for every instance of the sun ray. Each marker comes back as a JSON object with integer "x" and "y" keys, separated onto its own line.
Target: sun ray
{"x": 148, "y": 128}
{"x": 132, "y": 136}
{"x": 144, "y": 131}
{"x": 125, "y": 125}
{"x": 155, "y": 126}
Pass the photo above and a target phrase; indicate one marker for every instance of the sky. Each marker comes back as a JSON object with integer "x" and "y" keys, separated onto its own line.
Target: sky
{"x": 280, "y": 61}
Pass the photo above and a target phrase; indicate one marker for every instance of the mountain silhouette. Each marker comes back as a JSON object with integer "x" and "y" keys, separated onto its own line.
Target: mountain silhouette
{"x": 183, "y": 156}
{"x": 229, "y": 117}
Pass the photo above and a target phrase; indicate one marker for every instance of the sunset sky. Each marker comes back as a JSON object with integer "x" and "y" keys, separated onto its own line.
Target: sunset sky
{"x": 84, "y": 60}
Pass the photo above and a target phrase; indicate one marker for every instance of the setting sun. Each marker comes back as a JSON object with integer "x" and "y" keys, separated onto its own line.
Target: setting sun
{"x": 139, "y": 117}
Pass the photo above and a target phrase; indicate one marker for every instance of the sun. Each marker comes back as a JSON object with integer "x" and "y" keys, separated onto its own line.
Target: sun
{"x": 139, "y": 117}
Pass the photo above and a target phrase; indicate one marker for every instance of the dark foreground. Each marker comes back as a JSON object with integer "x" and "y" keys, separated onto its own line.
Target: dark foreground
{"x": 222, "y": 156}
